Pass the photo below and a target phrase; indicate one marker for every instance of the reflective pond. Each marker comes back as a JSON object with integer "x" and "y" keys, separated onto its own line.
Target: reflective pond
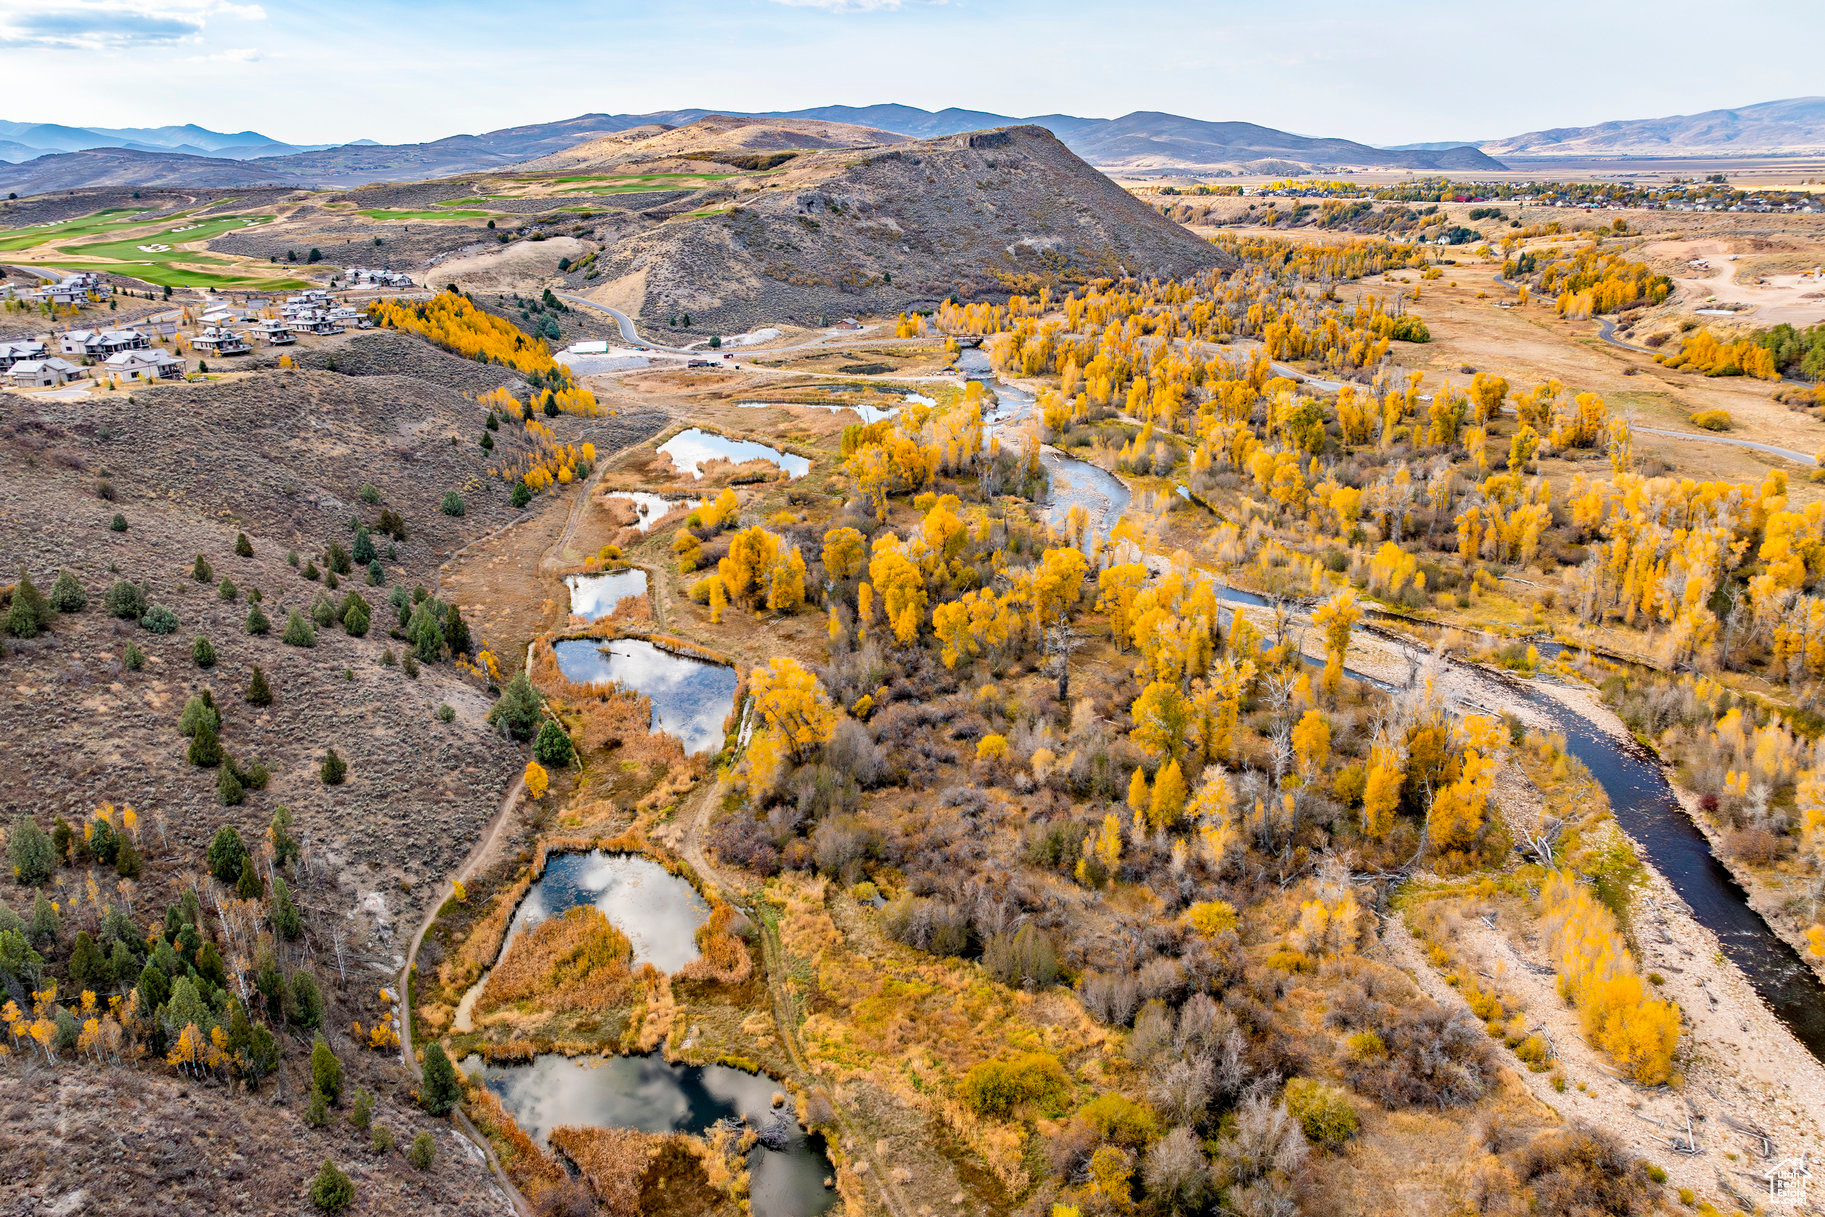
{"x": 596, "y": 596}
{"x": 691, "y": 697}
{"x": 658, "y": 911}
{"x": 652, "y": 1095}
{"x": 649, "y": 509}
{"x": 867, "y": 413}
{"x": 691, "y": 449}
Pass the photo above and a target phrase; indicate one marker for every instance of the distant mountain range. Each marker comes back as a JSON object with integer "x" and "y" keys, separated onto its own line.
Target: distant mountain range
{"x": 23, "y": 141}
{"x": 47, "y": 156}
{"x": 1795, "y": 125}
{"x": 197, "y": 157}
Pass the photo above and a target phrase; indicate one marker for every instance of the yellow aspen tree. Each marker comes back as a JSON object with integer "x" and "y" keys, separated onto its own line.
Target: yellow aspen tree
{"x": 1337, "y": 617}
{"x": 843, "y": 553}
{"x": 1168, "y": 802}
{"x": 1162, "y": 721}
{"x": 1138, "y": 797}
{"x": 793, "y": 705}
{"x": 1381, "y": 791}
{"x": 1311, "y": 744}
{"x": 1597, "y": 975}
{"x": 537, "y": 780}
{"x": 1521, "y": 449}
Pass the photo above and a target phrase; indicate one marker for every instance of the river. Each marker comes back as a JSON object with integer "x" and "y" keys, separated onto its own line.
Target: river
{"x": 1640, "y": 796}
{"x": 1074, "y": 483}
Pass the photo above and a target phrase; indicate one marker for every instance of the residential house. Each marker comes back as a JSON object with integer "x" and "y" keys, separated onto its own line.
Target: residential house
{"x": 315, "y": 321}
{"x": 99, "y": 344}
{"x": 217, "y": 341}
{"x": 362, "y": 276}
{"x": 42, "y": 373}
{"x": 273, "y": 332}
{"x": 20, "y": 349}
{"x": 74, "y": 289}
{"x": 145, "y": 365}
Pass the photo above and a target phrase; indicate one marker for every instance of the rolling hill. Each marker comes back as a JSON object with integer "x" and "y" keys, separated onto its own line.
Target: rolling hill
{"x": 715, "y": 137}
{"x": 1796, "y": 124}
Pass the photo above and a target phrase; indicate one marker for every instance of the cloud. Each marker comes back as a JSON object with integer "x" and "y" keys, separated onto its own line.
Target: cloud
{"x": 112, "y": 24}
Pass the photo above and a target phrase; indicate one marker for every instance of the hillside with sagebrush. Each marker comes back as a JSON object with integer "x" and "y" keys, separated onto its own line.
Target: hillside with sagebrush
{"x": 841, "y": 232}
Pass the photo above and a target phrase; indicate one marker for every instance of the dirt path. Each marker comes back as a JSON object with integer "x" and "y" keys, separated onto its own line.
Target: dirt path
{"x": 481, "y": 850}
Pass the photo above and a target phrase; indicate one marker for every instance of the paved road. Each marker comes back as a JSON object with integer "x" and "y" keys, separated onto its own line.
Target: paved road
{"x": 1702, "y": 438}
{"x": 629, "y": 334}
{"x": 1606, "y": 330}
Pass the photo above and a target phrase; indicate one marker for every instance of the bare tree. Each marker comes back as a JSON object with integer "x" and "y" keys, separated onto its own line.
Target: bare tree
{"x": 1175, "y": 1171}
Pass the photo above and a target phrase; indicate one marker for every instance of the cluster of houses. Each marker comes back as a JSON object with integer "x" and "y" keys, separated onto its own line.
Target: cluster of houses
{"x": 363, "y": 276}
{"x": 132, "y": 354}
{"x": 73, "y": 289}
{"x": 315, "y": 311}
{"x": 128, "y": 355}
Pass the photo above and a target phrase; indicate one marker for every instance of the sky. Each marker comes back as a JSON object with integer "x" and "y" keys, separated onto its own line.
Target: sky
{"x": 1391, "y": 71}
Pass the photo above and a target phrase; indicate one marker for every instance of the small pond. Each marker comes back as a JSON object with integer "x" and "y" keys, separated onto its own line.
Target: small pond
{"x": 658, "y": 911}
{"x": 593, "y": 597}
{"x": 867, "y": 413}
{"x": 691, "y": 697}
{"x": 649, "y": 509}
{"x": 690, "y": 449}
{"x": 652, "y": 1095}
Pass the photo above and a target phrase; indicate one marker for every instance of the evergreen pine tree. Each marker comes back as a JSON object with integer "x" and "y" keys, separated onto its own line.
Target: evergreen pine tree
{"x": 29, "y": 614}
{"x": 326, "y": 1072}
{"x": 259, "y": 693}
{"x": 257, "y": 623}
{"x": 250, "y": 887}
{"x": 88, "y": 966}
{"x": 205, "y": 747}
{"x": 438, "y": 1088}
{"x": 229, "y": 791}
{"x": 332, "y": 1190}
{"x": 67, "y": 594}
{"x": 284, "y": 913}
{"x": 306, "y": 1000}
{"x": 227, "y": 854}
{"x": 298, "y": 632}
{"x": 29, "y": 848}
{"x": 128, "y": 863}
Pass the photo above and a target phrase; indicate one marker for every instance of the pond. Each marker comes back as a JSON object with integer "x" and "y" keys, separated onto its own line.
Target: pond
{"x": 649, "y": 509}
{"x": 652, "y": 1095}
{"x": 658, "y": 911}
{"x": 692, "y": 448}
{"x": 867, "y": 413}
{"x": 691, "y": 697}
{"x": 596, "y": 596}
